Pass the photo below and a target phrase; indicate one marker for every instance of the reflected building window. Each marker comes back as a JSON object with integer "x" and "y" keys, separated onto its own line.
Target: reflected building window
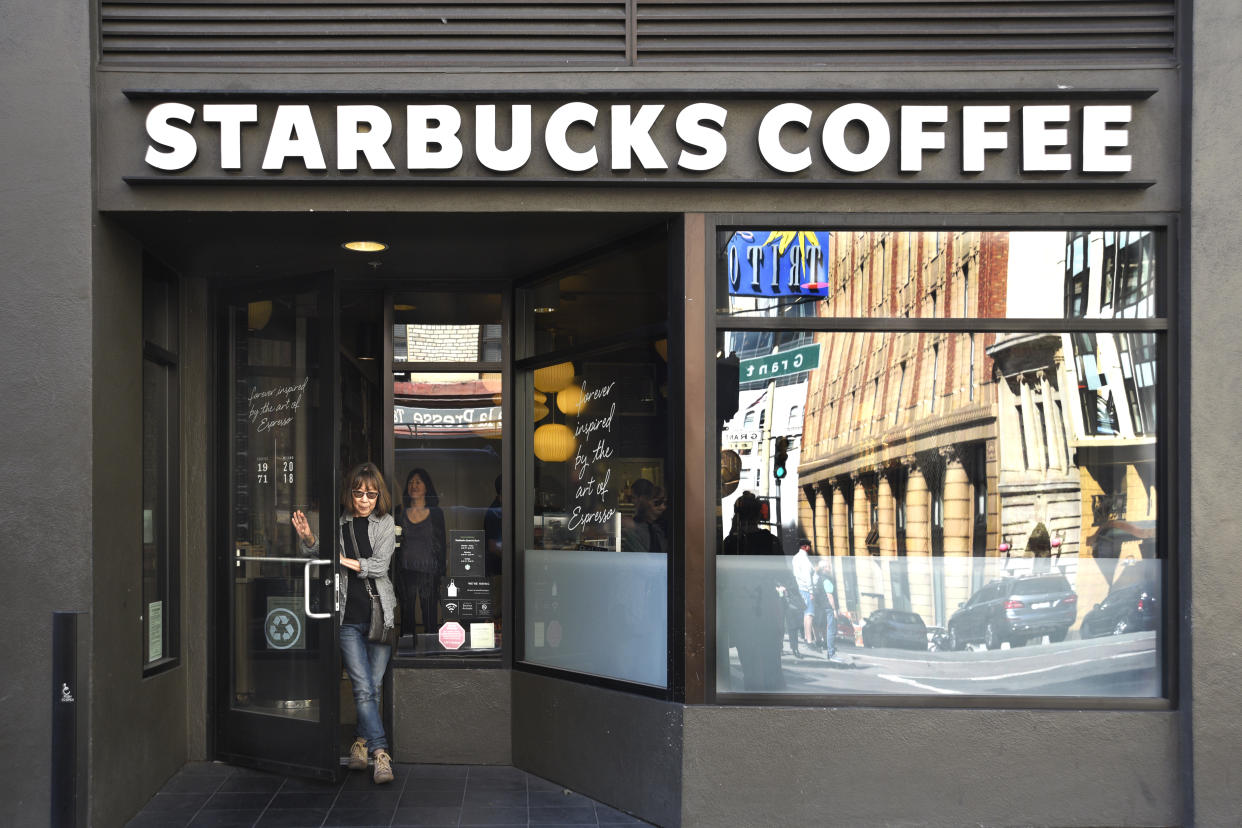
{"x": 1076, "y": 276}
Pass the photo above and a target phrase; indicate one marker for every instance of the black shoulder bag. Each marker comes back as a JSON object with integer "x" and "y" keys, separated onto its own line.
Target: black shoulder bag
{"x": 377, "y": 633}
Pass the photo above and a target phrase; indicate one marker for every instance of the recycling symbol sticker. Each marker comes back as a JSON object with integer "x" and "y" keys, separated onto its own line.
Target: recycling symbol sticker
{"x": 283, "y": 629}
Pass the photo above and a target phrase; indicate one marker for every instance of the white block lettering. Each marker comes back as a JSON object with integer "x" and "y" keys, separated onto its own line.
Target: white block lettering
{"x": 293, "y": 136}
{"x": 181, "y": 145}
{"x": 770, "y": 147}
{"x": 350, "y": 140}
{"x": 691, "y": 129}
{"x": 878, "y": 137}
{"x": 557, "y": 140}
{"x": 431, "y": 137}
{"x": 230, "y": 117}
{"x": 491, "y": 156}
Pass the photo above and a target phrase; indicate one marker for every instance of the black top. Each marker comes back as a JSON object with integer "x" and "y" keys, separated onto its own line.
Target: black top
{"x": 358, "y": 602}
{"x": 423, "y": 543}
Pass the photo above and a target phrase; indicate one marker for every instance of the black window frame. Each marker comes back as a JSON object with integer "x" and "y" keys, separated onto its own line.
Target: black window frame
{"x": 160, "y": 348}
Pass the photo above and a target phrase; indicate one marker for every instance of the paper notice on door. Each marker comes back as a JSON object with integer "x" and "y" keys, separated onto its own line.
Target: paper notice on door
{"x": 483, "y": 636}
{"x": 155, "y": 631}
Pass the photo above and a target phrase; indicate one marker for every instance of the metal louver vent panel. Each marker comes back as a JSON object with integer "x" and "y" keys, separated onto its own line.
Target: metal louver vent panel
{"x": 896, "y": 32}
{"x": 716, "y": 33}
{"x": 341, "y": 34}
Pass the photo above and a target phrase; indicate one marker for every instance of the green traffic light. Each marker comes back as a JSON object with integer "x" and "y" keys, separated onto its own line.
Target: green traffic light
{"x": 780, "y": 455}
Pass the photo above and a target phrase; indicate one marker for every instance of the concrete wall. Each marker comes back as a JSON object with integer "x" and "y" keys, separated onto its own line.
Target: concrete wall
{"x": 196, "y": 399}
{"x": 1212, "y": 635}
{"x": 138, "y": 726}
{"x": 45, "y": 376}
{"x": 863, "y": 767}
{"x": 617, "y": 748}
{"x": 451, "y": 716}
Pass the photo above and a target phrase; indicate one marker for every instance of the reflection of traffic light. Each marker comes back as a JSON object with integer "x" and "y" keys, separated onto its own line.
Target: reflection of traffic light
{"x": 779, "y": 456}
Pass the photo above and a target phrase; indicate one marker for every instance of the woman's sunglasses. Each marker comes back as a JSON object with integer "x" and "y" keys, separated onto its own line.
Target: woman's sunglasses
{"x": 360, "y": 494}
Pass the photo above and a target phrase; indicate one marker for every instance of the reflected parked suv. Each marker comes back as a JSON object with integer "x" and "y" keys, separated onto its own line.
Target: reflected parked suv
{"x": 1014, "y": 610}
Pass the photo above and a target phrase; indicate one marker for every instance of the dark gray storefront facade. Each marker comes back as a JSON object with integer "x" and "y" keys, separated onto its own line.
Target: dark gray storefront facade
{"x": 90, "y": 220}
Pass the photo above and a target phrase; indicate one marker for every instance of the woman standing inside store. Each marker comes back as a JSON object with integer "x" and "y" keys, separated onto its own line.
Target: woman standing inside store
{"x": 422, "y": 548}
{"x": 365, "y": 545}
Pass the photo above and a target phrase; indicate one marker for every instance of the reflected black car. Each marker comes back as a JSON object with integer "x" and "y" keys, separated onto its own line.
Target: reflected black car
{"x": 1015, "y": 610}
{"x": 895, "y": 628}
{"x": 1128, "y": 608}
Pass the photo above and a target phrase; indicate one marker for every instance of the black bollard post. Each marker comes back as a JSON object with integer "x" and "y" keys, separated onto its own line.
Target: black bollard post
{"x": 68, "y": 789}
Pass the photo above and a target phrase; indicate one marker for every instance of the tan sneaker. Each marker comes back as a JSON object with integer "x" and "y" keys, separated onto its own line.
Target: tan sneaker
{"x": 383, "y": 767}
{"x": 358, "y": 755}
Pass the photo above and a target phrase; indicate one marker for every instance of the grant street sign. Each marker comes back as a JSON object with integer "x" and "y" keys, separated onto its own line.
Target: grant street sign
{"x": 780, "y": 364}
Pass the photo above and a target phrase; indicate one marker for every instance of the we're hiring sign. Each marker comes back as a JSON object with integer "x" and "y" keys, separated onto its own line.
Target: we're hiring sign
{"x": 682, "y": 142}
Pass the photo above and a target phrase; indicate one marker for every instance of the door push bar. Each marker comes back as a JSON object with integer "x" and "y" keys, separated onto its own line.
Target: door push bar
{"x": 306, "y": 579}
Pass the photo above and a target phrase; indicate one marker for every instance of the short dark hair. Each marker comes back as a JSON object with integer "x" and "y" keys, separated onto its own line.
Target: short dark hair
{"x": 357, "y": 477}
{"x": 642, "y": 487}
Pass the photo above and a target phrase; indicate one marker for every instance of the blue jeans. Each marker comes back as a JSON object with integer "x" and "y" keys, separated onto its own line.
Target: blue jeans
{"x": 830, "y": 634}
{"x": 365, "y": 663}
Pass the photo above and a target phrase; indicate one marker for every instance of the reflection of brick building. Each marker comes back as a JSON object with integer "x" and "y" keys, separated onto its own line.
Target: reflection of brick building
{"x": 1078, "y": 414}
{"x": 899, "y": 443}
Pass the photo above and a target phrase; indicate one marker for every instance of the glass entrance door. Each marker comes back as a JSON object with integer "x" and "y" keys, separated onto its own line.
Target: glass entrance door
{"x": 278, "y": 673}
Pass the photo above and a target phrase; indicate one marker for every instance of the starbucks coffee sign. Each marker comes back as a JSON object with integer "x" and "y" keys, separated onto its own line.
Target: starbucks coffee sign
{"x": 650, "y": 142}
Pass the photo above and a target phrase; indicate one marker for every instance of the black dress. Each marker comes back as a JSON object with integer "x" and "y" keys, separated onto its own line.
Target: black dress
{"x": 422, "y": 564}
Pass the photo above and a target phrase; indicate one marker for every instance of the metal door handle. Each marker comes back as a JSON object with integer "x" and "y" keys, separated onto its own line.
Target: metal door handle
{"x": 306, "y": 596}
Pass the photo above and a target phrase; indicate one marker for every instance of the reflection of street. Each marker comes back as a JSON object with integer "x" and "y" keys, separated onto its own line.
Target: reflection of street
{"x": 1123, "y": 665}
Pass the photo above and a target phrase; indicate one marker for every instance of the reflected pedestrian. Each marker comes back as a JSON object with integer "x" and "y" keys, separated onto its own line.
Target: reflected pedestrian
{"x": 423, "y": 549}
{"x": 753, "y": 606}
{"x": 824, "y": 592}
{"x": 803, "y": 571}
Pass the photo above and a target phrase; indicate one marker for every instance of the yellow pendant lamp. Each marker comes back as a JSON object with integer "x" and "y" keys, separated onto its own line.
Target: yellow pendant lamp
{"x": 258, "y": 314}
{"x": 554, "y": 377}
{"x": 569, "y": 399}
{"x": 554, "y": 443}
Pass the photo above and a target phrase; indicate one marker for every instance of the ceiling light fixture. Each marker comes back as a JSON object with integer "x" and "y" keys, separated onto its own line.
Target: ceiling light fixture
{"x": 547, "y": 296}
{"x": 365, "y": 246}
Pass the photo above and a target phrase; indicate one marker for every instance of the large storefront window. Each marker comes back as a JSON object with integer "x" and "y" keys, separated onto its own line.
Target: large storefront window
{"x": 960, "y": 513}
{"x": 598, "y": 533}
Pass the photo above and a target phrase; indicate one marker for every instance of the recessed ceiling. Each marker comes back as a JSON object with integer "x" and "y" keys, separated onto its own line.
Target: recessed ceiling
{"x": 446, "y": 247}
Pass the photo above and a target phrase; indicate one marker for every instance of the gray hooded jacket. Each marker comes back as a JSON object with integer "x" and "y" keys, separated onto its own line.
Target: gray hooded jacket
{"x": 383, "y": 542}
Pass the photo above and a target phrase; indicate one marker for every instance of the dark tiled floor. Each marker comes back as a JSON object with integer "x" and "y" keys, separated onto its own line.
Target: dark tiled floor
{"x": 204, "y": 794}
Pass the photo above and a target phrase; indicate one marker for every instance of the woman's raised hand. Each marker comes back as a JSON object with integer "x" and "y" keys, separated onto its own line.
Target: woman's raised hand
{"x": 302, "y": 527}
